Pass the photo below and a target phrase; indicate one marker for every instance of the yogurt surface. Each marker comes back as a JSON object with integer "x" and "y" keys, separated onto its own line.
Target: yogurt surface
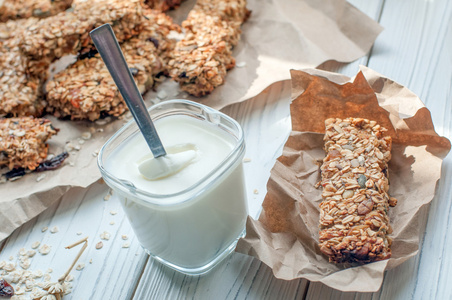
{"x": 179, "y": 134}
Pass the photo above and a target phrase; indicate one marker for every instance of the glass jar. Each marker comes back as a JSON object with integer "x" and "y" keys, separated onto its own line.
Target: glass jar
{"x": 194, "y": 229}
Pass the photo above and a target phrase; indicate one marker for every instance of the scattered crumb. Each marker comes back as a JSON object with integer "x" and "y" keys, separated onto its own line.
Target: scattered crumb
{"x": 162, "y": 95}
{"x": 22, "y": 251}
{"x": 47, "y": 277}
{"x": 41, "y": 177}
{"x": 49, "y": 270}
{"x": 69, "y": 147}
{"x": 101, "y": 122}
{"x": 81, "y": 142}
{"x": 79, "y": 233}
{"x": 107, "y": 197}
{"x": 112, "y": 223}
{"x": 44, "y": 229}
{"x": 31, "y": 253}
{"x": 80, "y": 267}
{"x": 9, "y": 267}
{"x": 100, "y": 130}
{"x": 94, "y": 154}
{"x": 54, "y": 229}
{"x": 11, "y": 257}
{"x": 124, "y": 237}
{"x": 45, "y": 249}
{"x": 113, "y": 212}
{"x": 105, "y": 235}
{"x": 126, "y": 245}
{"x": 246, "y": 159}
{"x": 256, "y": 191}
{"x": 86, "y": 135}
{"x": 99, "y": 245}
{"x": 91, "y": 261}
{"x": 240, "y": 64}
{"x": 25, "y": 263}
{"x": 70, "y": 277}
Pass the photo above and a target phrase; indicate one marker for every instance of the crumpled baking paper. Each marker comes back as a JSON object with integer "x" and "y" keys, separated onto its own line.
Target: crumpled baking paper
{"x": 278, "y": 36}
{"x": 286, "y": 235}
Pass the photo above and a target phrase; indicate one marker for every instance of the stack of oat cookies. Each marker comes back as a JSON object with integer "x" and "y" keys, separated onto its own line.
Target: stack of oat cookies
{"x": 37, "y": 33}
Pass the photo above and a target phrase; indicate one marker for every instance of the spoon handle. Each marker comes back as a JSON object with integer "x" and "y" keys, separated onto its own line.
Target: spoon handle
{"x": 105, "y": 41}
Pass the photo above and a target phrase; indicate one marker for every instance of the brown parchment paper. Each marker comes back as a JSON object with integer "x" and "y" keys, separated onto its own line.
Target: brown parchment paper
{"x": 286, "y": 235}
{"x": 279, "y": 34}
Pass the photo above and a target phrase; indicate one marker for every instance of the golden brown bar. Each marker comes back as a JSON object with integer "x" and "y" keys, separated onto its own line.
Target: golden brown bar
{"x": 354, "y": 222}
{"x": 200, "y": 61}
{"x": 20, "y": 82}
{"x": 85, "y": 90}
{"x": 68, "y": 32}
{"x": 23, "y": 141}
{"x": 15, "y": 9}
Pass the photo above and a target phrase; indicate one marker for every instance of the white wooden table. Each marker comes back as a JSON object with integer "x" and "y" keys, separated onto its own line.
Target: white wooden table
{"x": 415, "y": 50}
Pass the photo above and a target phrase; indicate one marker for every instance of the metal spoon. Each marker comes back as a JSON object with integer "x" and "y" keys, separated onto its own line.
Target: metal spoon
{"x": 105, "y": 41}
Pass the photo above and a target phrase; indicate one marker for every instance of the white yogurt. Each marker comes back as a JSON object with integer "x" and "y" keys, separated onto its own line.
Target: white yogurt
{"x": 199, "y": 208}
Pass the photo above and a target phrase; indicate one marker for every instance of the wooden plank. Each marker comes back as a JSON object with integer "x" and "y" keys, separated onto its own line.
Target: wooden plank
{"x": 113, "y": 270}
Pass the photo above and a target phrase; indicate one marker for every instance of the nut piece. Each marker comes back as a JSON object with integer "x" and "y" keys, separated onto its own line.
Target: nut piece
{"x": 45, "y": 249}
{"x": 105, "y": 235}
{"x": 99, "y": 245}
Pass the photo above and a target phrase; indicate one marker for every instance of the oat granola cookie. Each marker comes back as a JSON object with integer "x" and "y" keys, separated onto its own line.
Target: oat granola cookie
{"x": 14, "y": 9}
{"x": 68, "y": 32}
{"x": 85, "y": 90}
{"x": 23, "y": 141}
{"x": 201, "y": 59}
{"x": 354, "y": 222}
{"x": 20, "y": 82}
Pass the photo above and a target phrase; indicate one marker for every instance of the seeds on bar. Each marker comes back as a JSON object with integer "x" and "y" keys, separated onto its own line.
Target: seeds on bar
{"x": 200, "y": 61}
{"x": 20, "y": 82}
{"x": 354, "y": 222}
{"x": 85, "y": 90}
{"x": 14, "y": 9}
{"x": 23, "y": 141}
{"x": 68, "y": 32}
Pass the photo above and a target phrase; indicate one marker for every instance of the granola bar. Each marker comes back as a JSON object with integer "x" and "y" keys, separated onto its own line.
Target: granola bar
{"x": 354, "y": 222}
{"x": 23, "y": 141}
{"x": 14, "y": 9}
{"x": 85, "y": 90}
{"x": 20, "y": 82}
{"x": 200, "y": 61}
{"x": 68, "y": 32}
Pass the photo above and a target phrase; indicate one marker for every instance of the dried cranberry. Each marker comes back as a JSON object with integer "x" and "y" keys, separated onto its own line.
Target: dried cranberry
{"x": 53, "y": 163}
{"x": 18, "y": 172}
{"x": 6, "y": 290}
{"x": 154, "y": 41}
